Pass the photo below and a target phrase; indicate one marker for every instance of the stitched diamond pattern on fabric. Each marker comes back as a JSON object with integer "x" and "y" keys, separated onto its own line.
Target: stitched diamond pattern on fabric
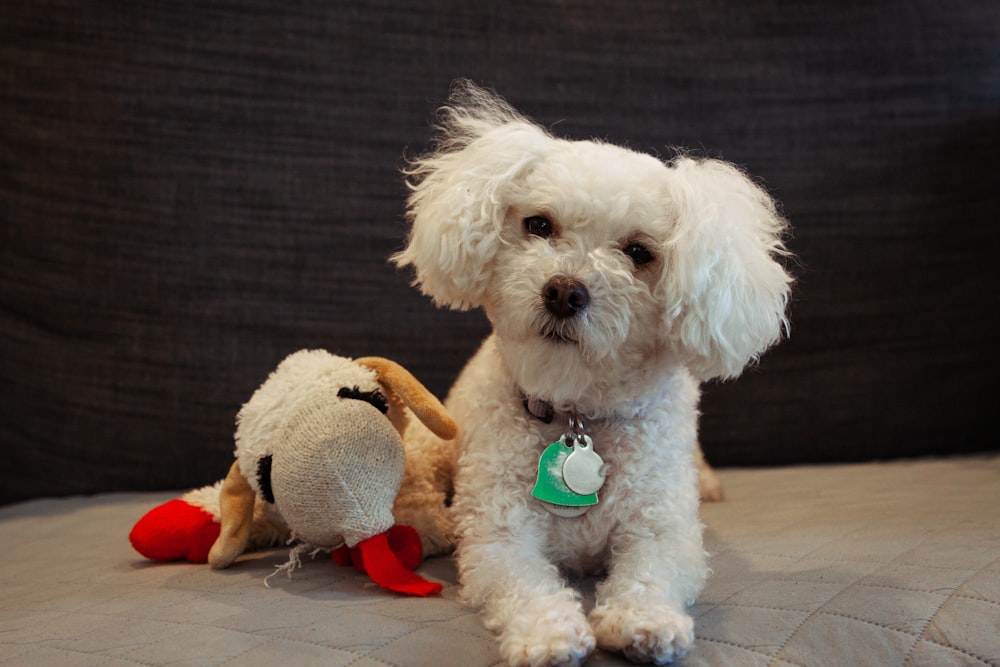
{"x": 906, "y": 545}
{"x": 895, "y": 564}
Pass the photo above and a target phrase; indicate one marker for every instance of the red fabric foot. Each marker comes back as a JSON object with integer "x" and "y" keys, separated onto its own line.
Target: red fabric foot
{"x": 384, "y": 568}
{"x": 346, "y": 556}
{"x": 389, "y": 558}
{"x": 175, "y": 530}
{"x": 342, "y": 556}
{"x": 403, "y": 541}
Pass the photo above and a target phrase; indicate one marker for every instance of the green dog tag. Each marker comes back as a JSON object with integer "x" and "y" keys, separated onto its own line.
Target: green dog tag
{"x": 551, "y": 487}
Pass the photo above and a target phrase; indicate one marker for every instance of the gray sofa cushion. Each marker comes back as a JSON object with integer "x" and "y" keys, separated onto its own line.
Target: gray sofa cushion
{"x": 877, "y": 564}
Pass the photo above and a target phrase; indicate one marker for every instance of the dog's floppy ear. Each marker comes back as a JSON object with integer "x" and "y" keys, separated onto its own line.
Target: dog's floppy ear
{"x": 726, "y": 291}
{"x": 457, "y": 202}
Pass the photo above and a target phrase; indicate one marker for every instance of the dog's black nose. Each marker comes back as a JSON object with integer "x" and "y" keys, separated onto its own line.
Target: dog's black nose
{"x": 565, "y": 297}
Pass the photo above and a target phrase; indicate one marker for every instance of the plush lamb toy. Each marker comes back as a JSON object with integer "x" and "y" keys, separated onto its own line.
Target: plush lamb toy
{"x": 319, "y": 459}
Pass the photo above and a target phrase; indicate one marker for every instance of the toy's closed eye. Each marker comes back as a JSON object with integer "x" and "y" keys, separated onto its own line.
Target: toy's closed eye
{"x": 375, "y": 397}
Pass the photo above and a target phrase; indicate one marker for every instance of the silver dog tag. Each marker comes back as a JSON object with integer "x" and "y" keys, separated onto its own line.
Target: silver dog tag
{"x": 584, "y": 470}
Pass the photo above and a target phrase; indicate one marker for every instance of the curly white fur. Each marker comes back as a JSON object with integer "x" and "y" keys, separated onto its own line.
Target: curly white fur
{"x": 703, "y": 298}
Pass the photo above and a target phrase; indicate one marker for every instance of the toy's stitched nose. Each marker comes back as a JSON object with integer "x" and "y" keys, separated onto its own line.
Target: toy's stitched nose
{"x": 565, "y": 297}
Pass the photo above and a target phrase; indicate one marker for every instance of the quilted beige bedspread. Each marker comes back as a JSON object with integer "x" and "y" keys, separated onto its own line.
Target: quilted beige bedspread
{"x": 874, "y": 564}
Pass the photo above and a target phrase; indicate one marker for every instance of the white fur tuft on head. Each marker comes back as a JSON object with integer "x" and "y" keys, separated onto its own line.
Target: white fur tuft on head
{"x": 457, "y": 192}
{"x": 725, "y": 290}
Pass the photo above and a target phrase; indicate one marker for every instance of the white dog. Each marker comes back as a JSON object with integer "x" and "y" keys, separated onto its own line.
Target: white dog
{"x": 614, "y": 284}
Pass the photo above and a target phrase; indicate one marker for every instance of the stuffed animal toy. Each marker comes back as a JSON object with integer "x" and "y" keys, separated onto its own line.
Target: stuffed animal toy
{"x": 319, "y": 461}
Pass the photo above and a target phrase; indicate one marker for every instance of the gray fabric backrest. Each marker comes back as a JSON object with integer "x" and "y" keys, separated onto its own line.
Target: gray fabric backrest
{"x": 189, "y": 191}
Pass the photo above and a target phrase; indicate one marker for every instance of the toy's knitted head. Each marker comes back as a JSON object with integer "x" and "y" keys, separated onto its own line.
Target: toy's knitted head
{"x": 320, "y": 440}
{"x": 315, "y": 442}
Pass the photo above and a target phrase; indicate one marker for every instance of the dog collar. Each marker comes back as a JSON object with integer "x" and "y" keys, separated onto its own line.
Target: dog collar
{"x": 546, "y": 413}
{"x": 539, "y": 409}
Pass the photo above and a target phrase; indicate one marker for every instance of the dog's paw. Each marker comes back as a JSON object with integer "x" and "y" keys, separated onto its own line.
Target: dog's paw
{"x": 709, "y": 484}
{"x": 658, "y": 634}
{"x": 552, "y": 638}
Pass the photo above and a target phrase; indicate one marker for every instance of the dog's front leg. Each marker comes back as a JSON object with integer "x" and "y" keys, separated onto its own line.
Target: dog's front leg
{"x": 641, "y": 606}
{"x": 523, "y": 598}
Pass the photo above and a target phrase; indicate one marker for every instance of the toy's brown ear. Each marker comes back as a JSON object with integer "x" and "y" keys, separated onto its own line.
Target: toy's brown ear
{"x": 407, "y": 388}
{"x": 236, "y": 508}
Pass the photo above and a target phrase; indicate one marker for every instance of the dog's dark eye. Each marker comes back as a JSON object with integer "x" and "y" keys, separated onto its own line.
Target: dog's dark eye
{"x": 638, "y": 253}
{"x": 538, "y": 226}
